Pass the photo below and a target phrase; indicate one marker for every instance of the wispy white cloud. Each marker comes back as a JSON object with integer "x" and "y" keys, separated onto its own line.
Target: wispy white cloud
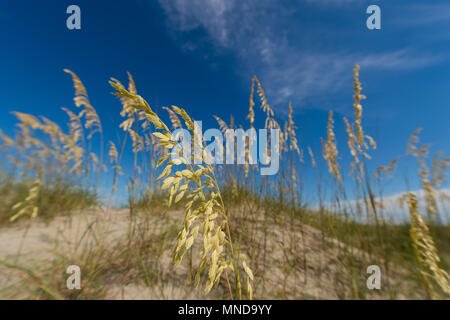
{"x": 427, "y": 23}
{"x": 256, "y": 32}
{"x": 333, "y": 2}
{"x": 211, "y": 15}
{"x": 424, "y": 14}
{"x": 297, "y": 76}
{"x": 394, "y": 211}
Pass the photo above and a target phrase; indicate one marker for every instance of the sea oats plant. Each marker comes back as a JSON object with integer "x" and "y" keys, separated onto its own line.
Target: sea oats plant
{"x": 92, "y": 123}
{"x": 431, "y": 180}
{"x": 205, "y": 209}
{"x": 114, "y": 161}
{"x": 43, "y": 153}
{"x": 358, "y": 143}
{"x": 271, "y": 213}
{"x": 29, "y": 206}
{"x": 425, "y": 250}
{"x": 330, "y": 151}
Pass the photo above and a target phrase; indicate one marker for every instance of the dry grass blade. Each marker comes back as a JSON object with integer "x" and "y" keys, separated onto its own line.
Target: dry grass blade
{"x": 204, "y": 211}
{"x": 425, "y": 250}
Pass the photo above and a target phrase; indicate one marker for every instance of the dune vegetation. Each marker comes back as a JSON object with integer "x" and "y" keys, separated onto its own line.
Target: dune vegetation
{"x": 223, "y": 229}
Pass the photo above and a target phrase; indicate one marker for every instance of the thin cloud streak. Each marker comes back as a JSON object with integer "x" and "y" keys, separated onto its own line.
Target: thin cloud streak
{"x": 253, "y": 31}
{"x": 399, "y": 212}
{"x": 419, "y": 15}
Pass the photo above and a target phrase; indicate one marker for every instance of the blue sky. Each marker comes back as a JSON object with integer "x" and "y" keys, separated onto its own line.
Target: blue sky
{"x": 202, "y": 54}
